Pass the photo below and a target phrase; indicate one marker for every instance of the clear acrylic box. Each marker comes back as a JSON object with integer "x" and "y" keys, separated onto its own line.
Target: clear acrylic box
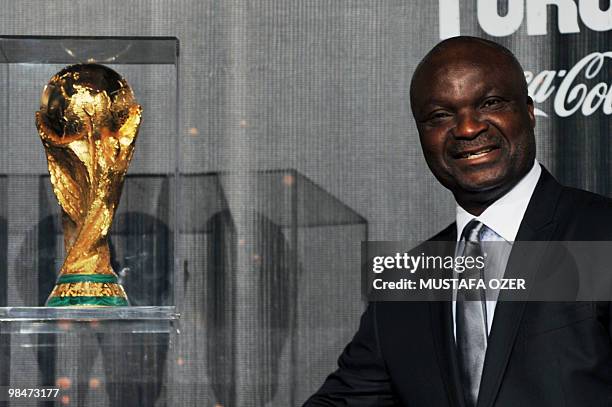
{"x": 269, "y": 252}
{"x": 106, "y": 355}
{"x": 142, "y": 235}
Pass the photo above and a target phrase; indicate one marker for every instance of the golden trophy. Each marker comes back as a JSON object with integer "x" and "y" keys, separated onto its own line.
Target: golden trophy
{"x": 88, "y": 122}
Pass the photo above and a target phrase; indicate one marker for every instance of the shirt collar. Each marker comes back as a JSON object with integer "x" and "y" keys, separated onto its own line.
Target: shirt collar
{"x": 505, "y": 215}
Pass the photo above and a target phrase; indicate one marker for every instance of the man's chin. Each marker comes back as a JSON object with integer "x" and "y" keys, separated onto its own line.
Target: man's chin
{"x": 482, "y": 178}
{"x": 482, "y": 185}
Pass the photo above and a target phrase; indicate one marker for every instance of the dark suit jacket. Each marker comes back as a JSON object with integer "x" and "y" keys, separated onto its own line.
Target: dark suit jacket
{"x": 539, "y": 353}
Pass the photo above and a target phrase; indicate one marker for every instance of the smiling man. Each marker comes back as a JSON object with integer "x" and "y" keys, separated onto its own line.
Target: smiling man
{"x": 476, "y": 128}
{"x": 475, "y": 119}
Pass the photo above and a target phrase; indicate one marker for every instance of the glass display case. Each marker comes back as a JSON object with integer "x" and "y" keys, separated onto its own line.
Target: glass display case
{"x": 270, "y": 258}
{"x": 141, "y": 237}
{"x": 235, "y": 280}
{"x": 99, "y": 355}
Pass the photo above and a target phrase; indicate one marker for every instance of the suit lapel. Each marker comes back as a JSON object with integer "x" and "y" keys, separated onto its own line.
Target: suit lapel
{"x": 446, "y": 351}
{"x": 442, "y": 329}
{"x": 538, "y": 225}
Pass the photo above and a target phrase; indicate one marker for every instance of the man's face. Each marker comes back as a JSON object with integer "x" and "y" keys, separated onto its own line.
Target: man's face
{"x": 475, "y": 123}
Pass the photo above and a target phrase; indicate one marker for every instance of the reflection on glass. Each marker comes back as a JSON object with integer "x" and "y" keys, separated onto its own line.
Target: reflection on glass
{"x": 258, "y": 254}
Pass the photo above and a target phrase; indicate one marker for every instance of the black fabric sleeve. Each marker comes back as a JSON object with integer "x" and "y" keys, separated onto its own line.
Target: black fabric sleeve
{"x": 361, "y": 379}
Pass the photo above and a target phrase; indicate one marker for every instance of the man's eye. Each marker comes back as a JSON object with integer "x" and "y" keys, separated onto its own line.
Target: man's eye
{"x": 494, "y": 102}
{"x": 438, "y": 115}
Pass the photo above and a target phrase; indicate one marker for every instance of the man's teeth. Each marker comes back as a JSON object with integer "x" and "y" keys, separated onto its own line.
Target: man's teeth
{"x": 476, "y": 154}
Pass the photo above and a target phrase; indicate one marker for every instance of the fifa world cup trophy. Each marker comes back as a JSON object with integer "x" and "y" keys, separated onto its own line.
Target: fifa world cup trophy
{"x": 88, "y": 122}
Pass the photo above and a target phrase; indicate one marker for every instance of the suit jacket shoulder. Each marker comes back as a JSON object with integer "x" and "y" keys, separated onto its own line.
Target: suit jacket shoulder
{"x": 578, "y": 215}
{"x": 448, "y": 234}
{"x": 583, "y": 215}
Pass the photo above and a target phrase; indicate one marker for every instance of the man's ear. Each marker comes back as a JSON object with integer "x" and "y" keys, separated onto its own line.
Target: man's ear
{"x": 530, "y": 111}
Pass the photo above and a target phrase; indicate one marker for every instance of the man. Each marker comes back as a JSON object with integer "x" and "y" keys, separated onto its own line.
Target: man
{"x": 475, "y": 122}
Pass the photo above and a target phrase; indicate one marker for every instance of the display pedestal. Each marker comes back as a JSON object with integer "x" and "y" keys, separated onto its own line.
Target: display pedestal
{"x": 54, "y": 320}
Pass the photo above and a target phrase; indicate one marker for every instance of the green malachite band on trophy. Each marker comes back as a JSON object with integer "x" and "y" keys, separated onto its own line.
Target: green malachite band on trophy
{"x": 94, "y": 278}
{"x": 86, "y": 301}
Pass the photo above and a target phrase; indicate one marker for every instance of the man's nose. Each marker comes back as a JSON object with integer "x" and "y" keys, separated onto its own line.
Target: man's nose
{"x": 469, "y": 125}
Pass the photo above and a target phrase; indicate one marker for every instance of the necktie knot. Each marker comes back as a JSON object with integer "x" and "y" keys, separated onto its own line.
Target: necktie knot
{"x": 472, "y": 232}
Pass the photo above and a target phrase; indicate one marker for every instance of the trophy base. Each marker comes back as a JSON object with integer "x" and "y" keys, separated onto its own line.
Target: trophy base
{"x": 87, "y": 290}
{"x": 87, "y": 302}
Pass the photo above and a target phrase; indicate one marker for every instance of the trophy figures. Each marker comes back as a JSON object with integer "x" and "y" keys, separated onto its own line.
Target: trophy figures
{"x": 88, "y": 122}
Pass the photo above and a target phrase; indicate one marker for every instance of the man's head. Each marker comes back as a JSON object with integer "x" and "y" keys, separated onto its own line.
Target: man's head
{"x": 475, "y": 119}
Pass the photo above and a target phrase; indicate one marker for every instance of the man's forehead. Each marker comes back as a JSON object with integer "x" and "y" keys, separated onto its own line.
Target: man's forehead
{"x": 462, "y": 57}
{"x": 489, "y": 65}
{"x": 458, "y": 77}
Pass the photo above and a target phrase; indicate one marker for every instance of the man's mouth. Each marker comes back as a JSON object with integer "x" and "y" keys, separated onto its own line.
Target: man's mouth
{"x": 474, "y": 154}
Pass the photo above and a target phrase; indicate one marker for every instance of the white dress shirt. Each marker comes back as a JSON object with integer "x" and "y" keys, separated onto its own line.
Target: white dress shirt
{"x": 503, "y": 219}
